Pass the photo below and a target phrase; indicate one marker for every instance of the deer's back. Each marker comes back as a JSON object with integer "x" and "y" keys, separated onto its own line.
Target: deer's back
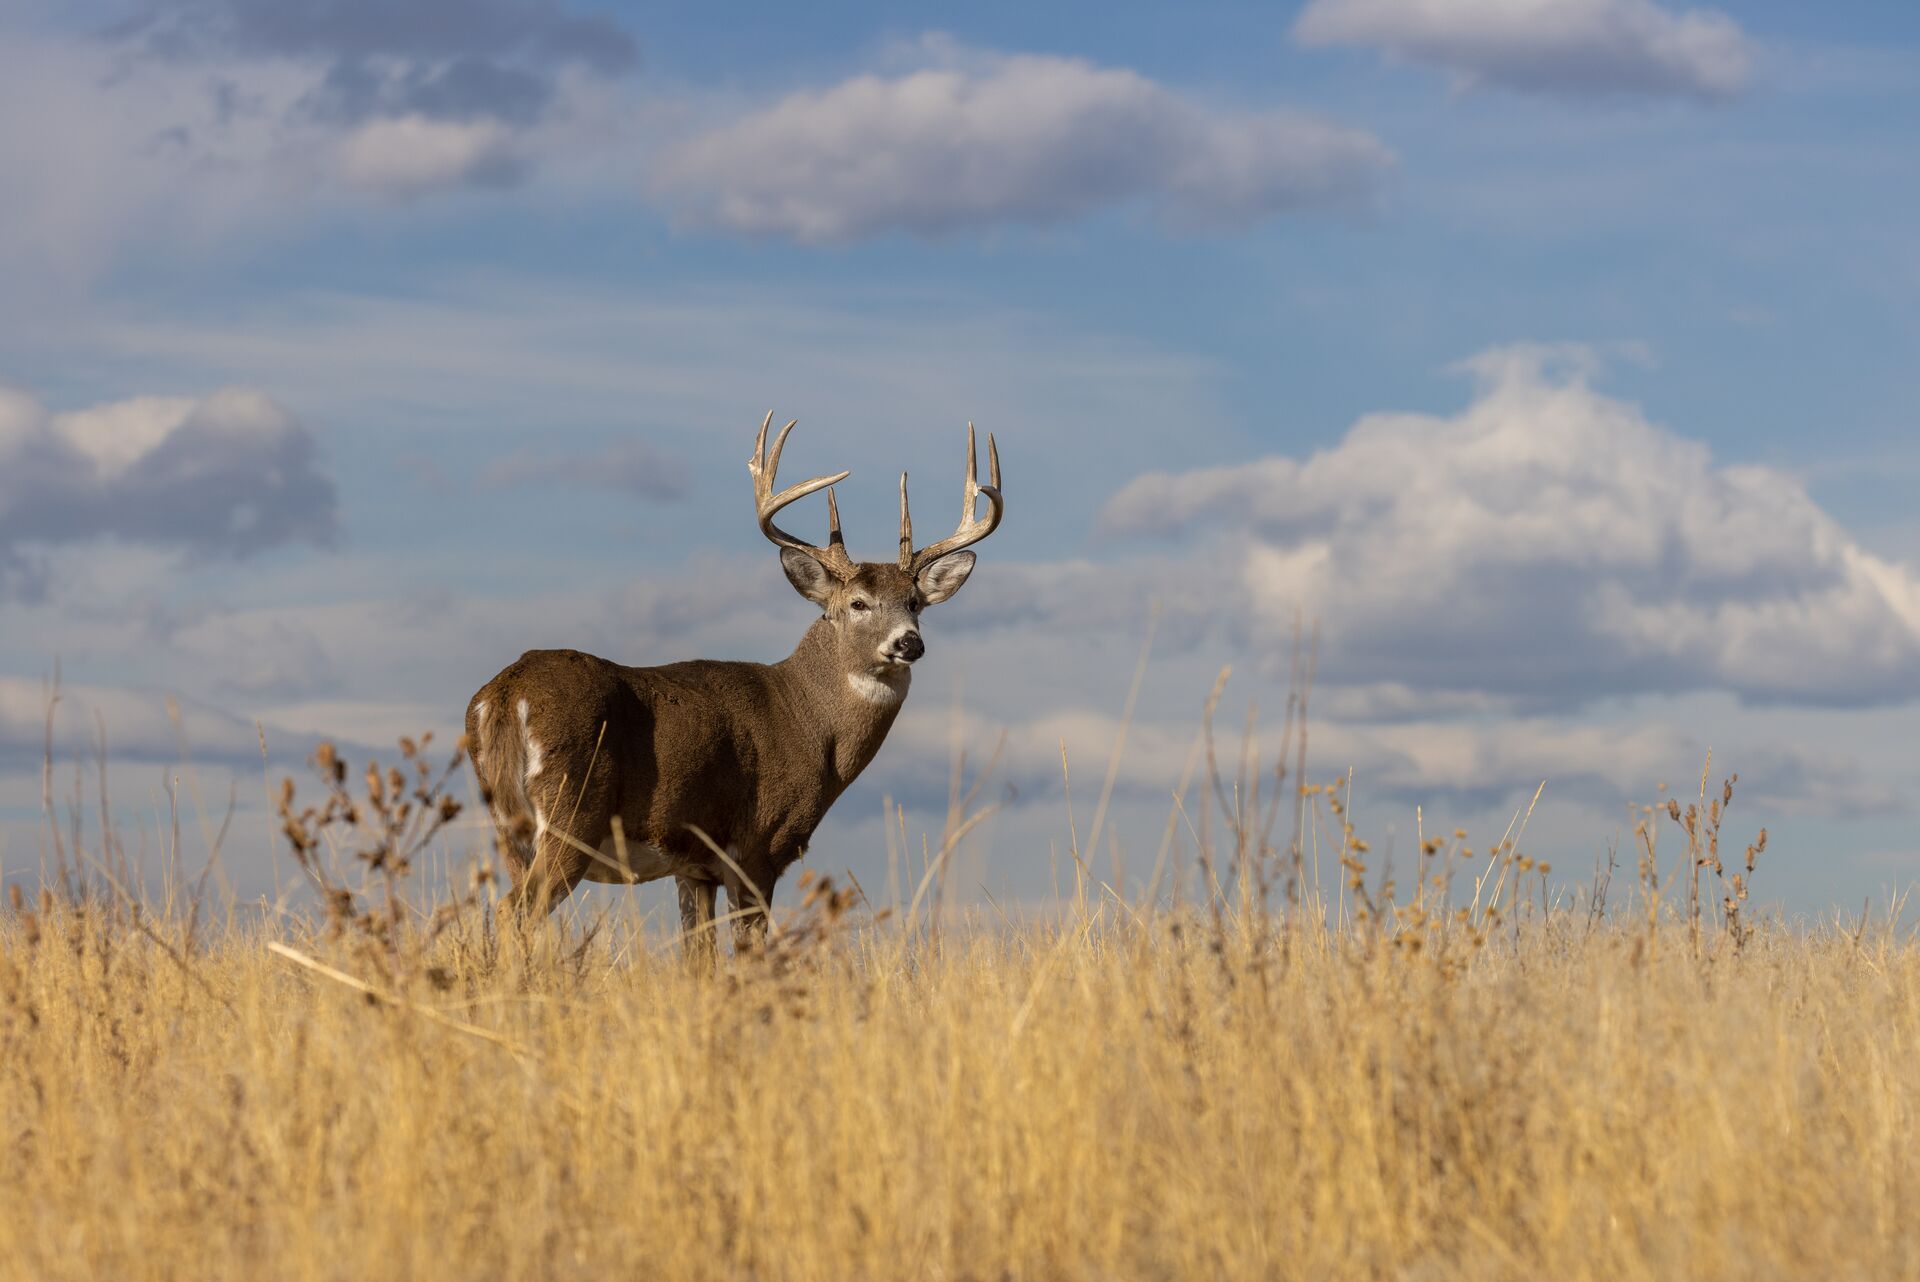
{"x": 661, "y": 747}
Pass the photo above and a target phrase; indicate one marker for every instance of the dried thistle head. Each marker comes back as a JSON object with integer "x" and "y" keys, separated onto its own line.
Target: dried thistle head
{"x": 386, "y": 826}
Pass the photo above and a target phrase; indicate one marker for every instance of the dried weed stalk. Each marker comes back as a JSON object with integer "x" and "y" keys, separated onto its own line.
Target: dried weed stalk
{"x": 382, "y": 829}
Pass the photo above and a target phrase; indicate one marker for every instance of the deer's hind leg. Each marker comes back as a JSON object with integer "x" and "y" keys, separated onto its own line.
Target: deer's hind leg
{"x": 541, "y": 889}
{"x": 559, "y": 863}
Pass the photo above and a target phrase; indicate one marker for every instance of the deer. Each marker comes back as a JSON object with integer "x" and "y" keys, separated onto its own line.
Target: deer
{"x": 715, "y": 772}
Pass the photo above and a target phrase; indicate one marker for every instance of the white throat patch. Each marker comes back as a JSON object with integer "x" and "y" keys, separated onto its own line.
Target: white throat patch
{"x": 873, "y": 689}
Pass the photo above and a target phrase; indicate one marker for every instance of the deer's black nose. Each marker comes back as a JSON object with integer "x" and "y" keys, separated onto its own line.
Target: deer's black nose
{"x": 909, "y": 646}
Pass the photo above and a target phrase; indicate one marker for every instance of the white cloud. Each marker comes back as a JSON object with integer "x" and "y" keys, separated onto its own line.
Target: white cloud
{"x": 228, "y": 473}
{"x": 1572, "y": 47}
{"x": 206, "y": 122}
{"x": 152, "y": 146}
{"x": 1023, "y": 138}
{"x": 411, "y": 155}
{"x": 1548, "y": 543}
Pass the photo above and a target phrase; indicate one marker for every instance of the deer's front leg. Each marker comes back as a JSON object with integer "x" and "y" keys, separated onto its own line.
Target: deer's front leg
{"x": 747, "y": 904}
{"x": 697, "y": 942}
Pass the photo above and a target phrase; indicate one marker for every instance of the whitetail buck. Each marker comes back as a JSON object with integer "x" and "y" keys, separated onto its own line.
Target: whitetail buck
{"x": 600, "y": 772}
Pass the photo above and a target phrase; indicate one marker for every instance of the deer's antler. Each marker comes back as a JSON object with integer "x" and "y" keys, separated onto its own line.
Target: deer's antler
{"x": 972, "y": 529}
{"x": 765, "y": 468}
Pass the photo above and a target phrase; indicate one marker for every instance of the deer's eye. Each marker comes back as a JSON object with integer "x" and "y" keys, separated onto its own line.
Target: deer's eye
{"x": 861, "y": 606}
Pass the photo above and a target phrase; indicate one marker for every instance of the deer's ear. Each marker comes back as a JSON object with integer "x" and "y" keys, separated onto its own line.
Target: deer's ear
{"x": 809, "y": 578}
{"x": 943, "y": 578}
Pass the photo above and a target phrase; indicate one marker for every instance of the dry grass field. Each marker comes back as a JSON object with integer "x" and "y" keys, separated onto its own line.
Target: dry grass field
{"x": 1469, "y": 1078}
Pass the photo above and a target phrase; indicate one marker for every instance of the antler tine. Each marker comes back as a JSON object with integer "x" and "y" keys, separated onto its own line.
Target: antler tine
{"x": 779, "y": 444}
{"x": 765, "y": 468}
{"x": 972, "y": 529}
{"x": 972, "y": 490}
{"x": 906, "y": 527}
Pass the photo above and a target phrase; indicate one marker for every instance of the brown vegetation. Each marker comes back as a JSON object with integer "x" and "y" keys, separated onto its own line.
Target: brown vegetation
{"x": 1473, "y": 1078}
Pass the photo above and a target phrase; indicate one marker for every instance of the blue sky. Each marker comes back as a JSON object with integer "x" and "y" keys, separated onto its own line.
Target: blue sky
{"x": 1556, "y": 357}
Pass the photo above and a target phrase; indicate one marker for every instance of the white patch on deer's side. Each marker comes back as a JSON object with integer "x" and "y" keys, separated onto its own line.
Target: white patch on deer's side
{"x": 530, "y": 746}
{"x": 480, "y": 735}
{"x": 644, "y": 862}
{"x": 873, "y": 689}
{"x": 539, "y": 823}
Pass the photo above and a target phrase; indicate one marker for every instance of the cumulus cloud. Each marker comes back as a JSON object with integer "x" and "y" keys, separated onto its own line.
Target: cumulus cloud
{"x": 409, "y": 155}
{"x": 628, "y": 467}
{"x": 188, "y": 138}
{"x": 218, "y": 112}
{"x": 1570, "y": 47}
{"x": 1548, "y": 544}
{"x": 226, "y": 474}
{"x": 1024, "y": 138}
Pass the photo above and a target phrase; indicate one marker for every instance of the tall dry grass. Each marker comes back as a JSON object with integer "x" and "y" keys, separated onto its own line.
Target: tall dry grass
{"x": 1466, "y": 1079}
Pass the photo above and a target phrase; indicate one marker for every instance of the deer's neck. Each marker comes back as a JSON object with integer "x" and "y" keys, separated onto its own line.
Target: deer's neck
{"x": 850, "y": 708}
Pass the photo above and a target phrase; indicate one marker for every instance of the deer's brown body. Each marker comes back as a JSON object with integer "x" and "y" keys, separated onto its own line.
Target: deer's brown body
{"x": 712, "y": 772}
